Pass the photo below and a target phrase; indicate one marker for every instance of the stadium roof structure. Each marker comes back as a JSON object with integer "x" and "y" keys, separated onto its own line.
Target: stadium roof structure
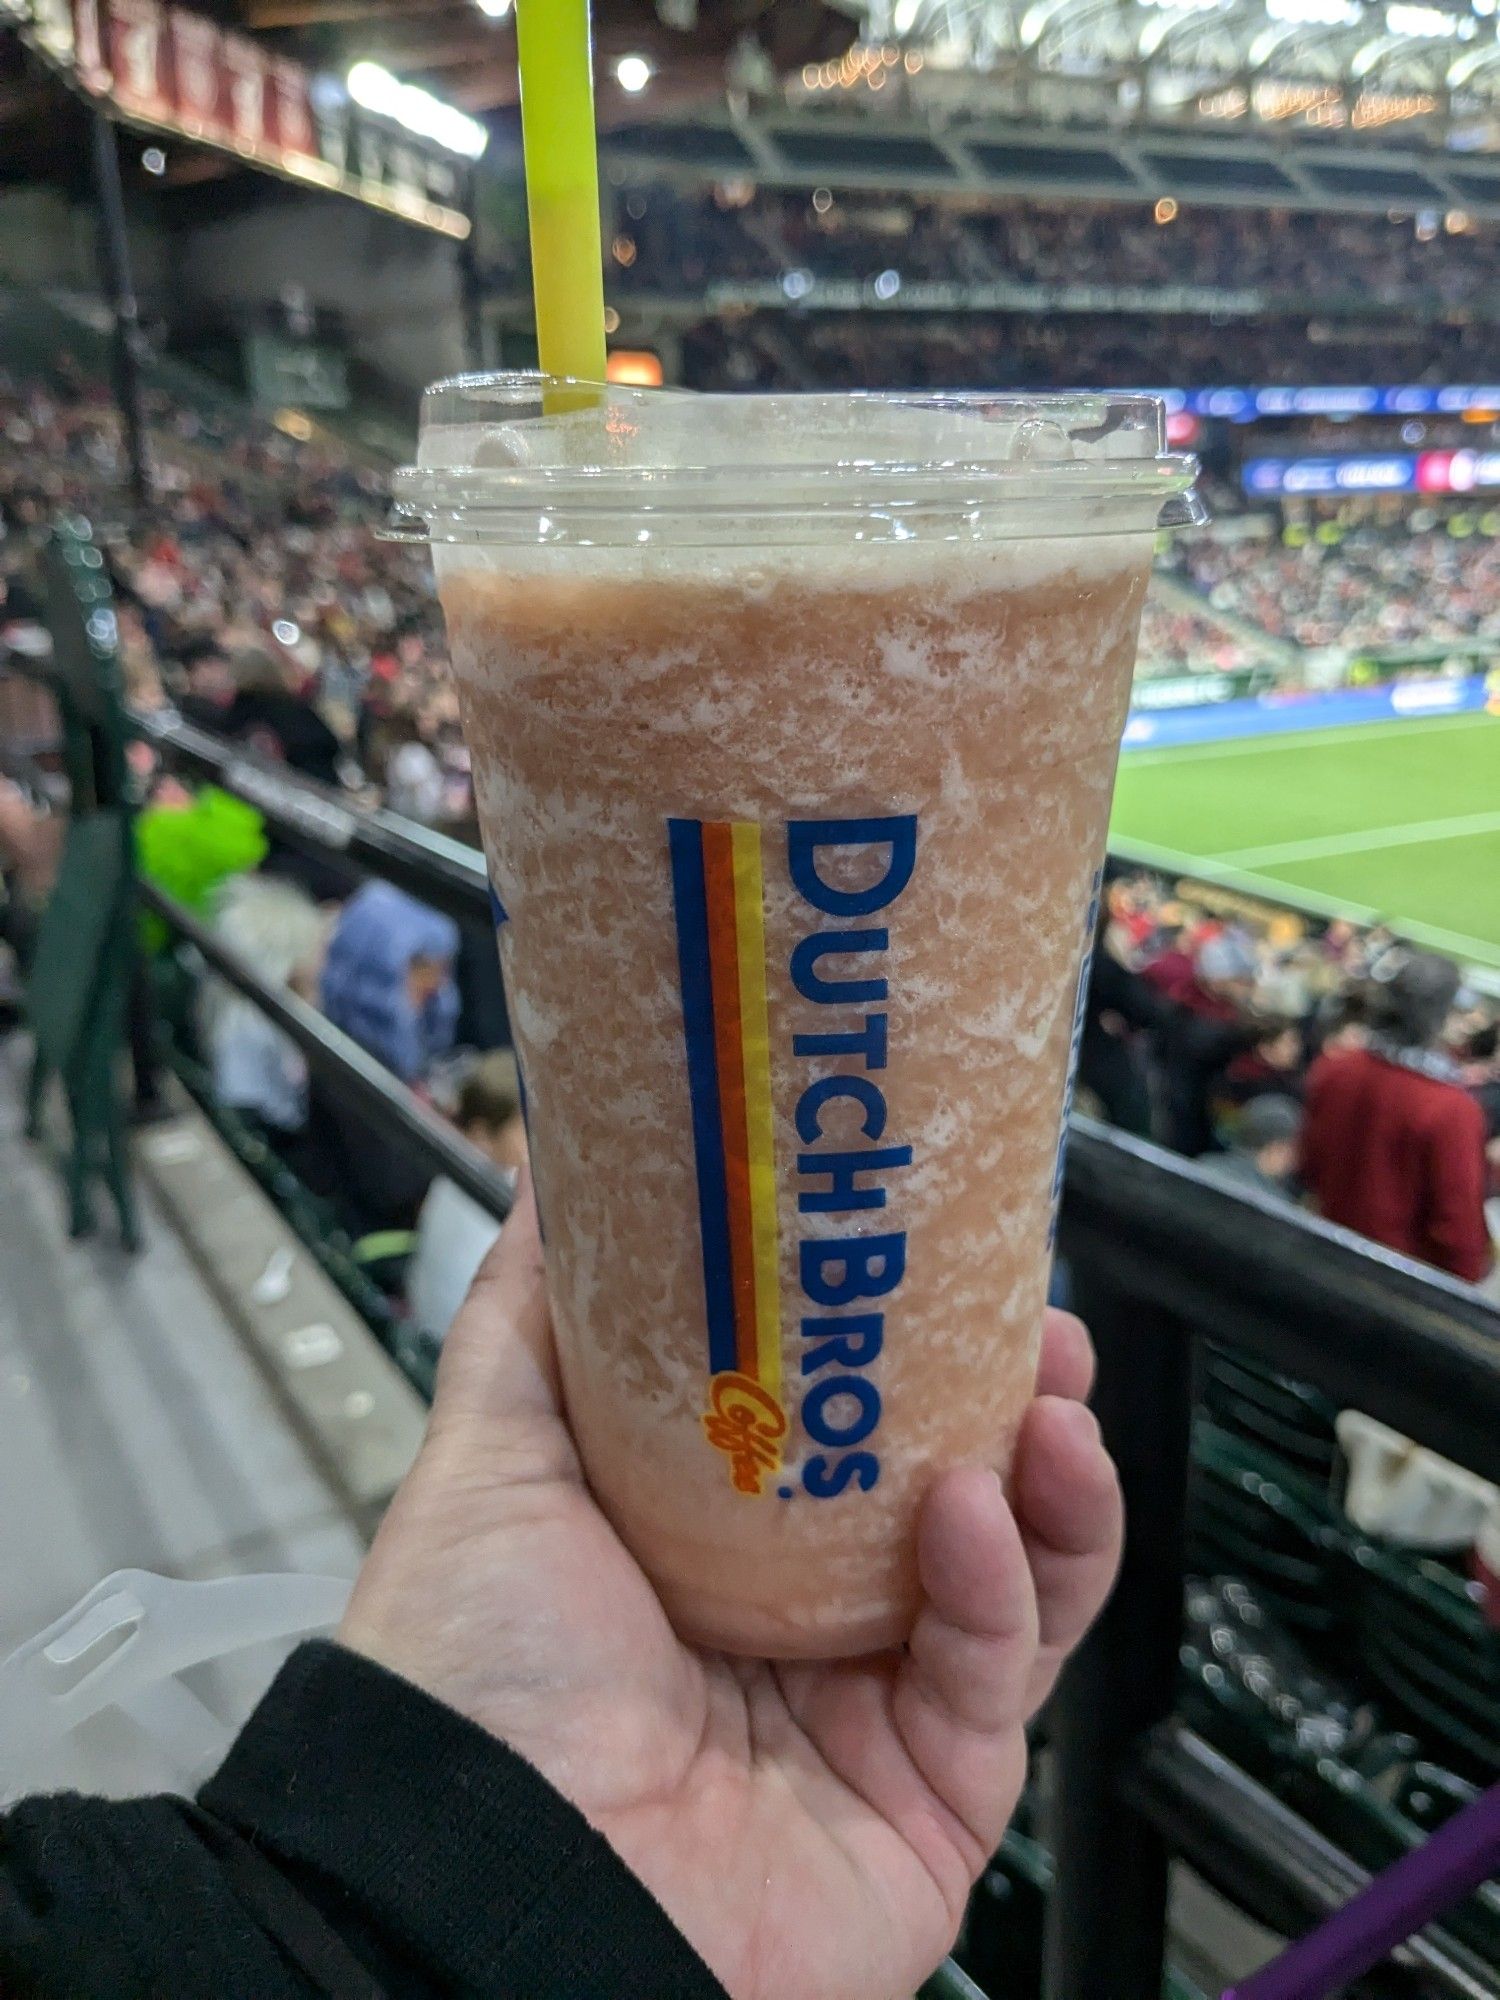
{"x": 465, "y": 49}
{"x": 1428, "y": 68}
{"x": 986, "y": 160}
{"x": 1317, "y": 104}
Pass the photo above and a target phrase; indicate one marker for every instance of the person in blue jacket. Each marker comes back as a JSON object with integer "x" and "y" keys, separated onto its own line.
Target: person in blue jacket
{"x": 388, "y": 983}
{"x": 388, "y": 979}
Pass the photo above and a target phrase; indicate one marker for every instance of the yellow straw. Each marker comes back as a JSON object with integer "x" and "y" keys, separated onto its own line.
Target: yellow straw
{"x": 562, "y": 190}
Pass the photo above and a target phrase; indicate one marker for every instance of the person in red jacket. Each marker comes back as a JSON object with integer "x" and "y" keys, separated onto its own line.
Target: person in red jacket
{"x": 1392, "y": 1144}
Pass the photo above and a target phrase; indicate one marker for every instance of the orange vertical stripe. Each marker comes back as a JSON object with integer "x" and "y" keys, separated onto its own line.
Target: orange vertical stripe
{"x": 723, "y": 959}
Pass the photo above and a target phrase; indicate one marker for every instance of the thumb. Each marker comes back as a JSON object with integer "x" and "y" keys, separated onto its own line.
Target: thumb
{"x": 498, "y": 1362}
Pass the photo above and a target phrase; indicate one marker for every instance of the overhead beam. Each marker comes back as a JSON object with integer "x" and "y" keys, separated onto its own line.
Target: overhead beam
{"x": 491, "y": 89}
{"x": 409, "y": 54}
{"x": 264, "y": 14}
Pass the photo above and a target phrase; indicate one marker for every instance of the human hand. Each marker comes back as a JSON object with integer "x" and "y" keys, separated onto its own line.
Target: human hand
{"x": 813, "y": 1830}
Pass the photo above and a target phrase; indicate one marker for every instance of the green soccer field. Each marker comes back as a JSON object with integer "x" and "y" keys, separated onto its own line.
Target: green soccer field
{"x": 1392, "y": 820}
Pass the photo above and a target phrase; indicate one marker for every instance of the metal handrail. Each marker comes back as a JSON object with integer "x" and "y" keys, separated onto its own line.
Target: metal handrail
{"x": 1189, "y": 1791}
{"x": 1413, "y": 1347}
{"x": 347, "y": 1069}
{"x": 442, "y": 871}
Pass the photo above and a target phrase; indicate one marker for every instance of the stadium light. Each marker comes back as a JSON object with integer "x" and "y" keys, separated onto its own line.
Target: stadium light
{"x": 1314, "y": 13}
{"x": 496, "y": 9}
{"x": 1420, "y": 23}
{"x": 633, "y": 73}
{"x": 418, "y": 110}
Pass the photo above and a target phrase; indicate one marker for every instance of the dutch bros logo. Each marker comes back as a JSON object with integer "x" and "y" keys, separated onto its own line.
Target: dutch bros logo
{"x": 747, "y": 1424}
{"x": 718, "y": 895}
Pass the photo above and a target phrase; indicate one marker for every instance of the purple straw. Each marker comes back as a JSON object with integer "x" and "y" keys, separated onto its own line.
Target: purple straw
{"x": 1450, "y": 1863}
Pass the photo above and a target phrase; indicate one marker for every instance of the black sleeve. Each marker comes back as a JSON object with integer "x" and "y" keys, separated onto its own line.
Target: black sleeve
{"x": 361, "y": 1842}
{"x": 1114, "y": 989}
{"x": 1208, "y": 1045}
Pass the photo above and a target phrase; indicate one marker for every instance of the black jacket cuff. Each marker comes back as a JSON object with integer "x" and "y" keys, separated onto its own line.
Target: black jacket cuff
{"x": 449, "y": 1844}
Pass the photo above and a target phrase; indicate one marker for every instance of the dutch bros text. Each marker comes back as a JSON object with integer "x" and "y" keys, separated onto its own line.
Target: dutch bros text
{"x": 718, "y": 897}
{"x": 846, "y": 1280}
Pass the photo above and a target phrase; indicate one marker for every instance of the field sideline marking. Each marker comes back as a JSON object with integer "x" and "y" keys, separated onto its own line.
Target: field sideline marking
{"x": 1319, "y": 847}
{"x": 1301, "y": 739}
{"x": 1291, "y": 895}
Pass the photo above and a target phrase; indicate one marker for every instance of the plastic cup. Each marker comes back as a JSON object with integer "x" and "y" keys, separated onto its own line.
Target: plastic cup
{"x": 794, "y": 724}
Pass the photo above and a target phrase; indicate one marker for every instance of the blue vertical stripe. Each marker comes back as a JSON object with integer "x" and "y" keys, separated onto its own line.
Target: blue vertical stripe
{"x": 690, "y": 898}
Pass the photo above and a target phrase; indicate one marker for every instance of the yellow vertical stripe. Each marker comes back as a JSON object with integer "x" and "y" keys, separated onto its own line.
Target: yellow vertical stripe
{"x": 750, "y": 932}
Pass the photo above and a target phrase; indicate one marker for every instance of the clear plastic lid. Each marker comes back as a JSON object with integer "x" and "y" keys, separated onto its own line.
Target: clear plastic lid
{"x": 526, "y": 458}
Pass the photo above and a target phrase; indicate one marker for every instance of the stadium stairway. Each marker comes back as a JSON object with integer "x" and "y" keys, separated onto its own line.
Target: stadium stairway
{"x": 138, "y": 1427}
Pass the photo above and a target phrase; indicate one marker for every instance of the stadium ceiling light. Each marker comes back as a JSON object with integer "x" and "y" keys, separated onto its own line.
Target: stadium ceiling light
{"x": 496, "y": 9}
{"x": 1420, "y": 23}
{"x": 418, "y": 110}
{"x": 904, "y": 17}
{"x": 633, "y": 73}
{"x": 1314, "y": 13}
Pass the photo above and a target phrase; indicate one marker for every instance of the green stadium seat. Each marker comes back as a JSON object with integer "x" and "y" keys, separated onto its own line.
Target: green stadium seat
{"x": 1289, "y": 1419}
{"x": 1430, "y": 1651}
{"x": 1246, "y": 1519}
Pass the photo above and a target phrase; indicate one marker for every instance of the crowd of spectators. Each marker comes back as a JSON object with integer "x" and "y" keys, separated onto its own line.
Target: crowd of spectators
{"x": 1335, "y": 1066}
{"x": 1405, "y": 581}
{"x": 252, "y": 592}
{"x": 675, "y": 242}
{"x": 256, "y": 597}
{"x": 1110, "y": 349}
{"x": 1177, "y": 638}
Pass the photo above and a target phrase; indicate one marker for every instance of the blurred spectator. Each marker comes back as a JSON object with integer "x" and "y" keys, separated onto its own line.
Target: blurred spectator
{"x": 414, "y": 784}
{"x": 1193, "y": 1052}
{"x": 1263, "y": 1150}
{"x": 388, "y": 979}
{"x": 189, "y": 843}
{"x": 1273, "y": 1068}
{"x": 1481, "y": 1075}
{"x": 30, "y": 843}
{"x": 274, "y": 721}
{"x": 387, "y": 982}
{"x": 453, "y": 1231}
{"x": 258, "y": 1070}
{"x": 1393, "y": 1145}
{"x": 208, "y": 684}
{"x": 1121, "y": 1008}
{"x": 1212, "y": 975}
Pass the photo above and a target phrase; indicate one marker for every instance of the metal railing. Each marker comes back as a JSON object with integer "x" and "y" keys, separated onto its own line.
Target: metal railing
{"x": 342, "y": 1066}
{"x": 1161, "y": 1257}
{"x": 315, "y": 821}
